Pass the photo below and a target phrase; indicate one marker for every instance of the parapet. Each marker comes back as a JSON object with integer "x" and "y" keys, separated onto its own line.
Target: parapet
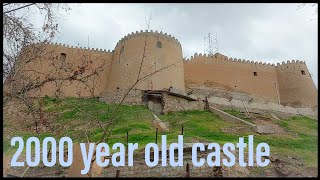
{"x": 81, "y": 48}
{"x": 292, "y": 62}
{"x": 221, "y": 57}
{"x": 150, "y": 33}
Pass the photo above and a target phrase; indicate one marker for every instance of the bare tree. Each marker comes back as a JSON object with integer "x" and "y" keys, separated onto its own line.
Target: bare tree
{"x": 25, "y": 51}
{"x": 27, "y": 48}
{"x": 313, "y": 5}
{"x": 113, "y": 116}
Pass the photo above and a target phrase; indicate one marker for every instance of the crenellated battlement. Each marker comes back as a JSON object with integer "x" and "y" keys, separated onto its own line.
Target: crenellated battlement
{"x": 290, "y": 63}
{"x": 81, "y": 48}
{"x": 155, "y": 34}
{"x": 221, "y": 57}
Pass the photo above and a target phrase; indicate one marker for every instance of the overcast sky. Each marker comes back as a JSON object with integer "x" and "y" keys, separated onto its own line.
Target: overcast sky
{"x": 268, "y": 33}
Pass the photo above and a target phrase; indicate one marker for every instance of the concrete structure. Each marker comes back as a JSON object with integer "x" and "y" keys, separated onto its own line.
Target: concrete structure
{"x": 163, "y": 67}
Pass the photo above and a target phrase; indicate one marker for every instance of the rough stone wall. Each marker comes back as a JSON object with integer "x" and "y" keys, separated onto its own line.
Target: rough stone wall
{"x": 219, "y": 72}
{"x": 47, "y": 64}
{"x": 295, "y": 88}
{"x": 135, "y": 97}
{"x": 260, "y": 107}
{"x": 201, "y": 92}
{"x": 161, "y": 51}
{"x": 173, "y": 103}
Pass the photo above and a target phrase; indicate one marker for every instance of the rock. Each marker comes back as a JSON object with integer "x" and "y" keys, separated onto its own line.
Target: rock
{"x": 261, "y": 129}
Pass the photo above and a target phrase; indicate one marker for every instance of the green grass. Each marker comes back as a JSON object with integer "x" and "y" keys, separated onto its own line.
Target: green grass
{"x": 199, "y": 126}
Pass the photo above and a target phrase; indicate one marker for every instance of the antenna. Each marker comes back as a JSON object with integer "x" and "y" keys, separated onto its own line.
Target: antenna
{"x": 210, "y": 44}
{"x": 215, "y": 43}
{"x": 88, "y": 41}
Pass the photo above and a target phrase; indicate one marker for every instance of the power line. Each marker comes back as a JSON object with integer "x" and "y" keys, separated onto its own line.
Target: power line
{"x": 19, "y": 8}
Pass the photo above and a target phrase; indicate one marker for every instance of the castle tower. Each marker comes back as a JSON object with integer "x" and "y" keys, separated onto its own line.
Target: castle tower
{"x": 296, "y": 87}
{"x": 162, "y": 66}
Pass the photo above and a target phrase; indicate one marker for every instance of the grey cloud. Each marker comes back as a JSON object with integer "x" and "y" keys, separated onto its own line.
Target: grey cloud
{"x": 260, "y": 32}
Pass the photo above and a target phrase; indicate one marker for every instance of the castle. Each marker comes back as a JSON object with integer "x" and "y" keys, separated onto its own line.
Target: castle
{"x": 287, "y": 83}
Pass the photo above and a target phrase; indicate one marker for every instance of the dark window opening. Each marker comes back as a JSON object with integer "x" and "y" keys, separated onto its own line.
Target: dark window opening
{"x": 63, "y": 57}
{"x": 255, "y": 73}
{"x": 122, "y": 49}
{"x": 127, "y": 64}
{"x": 159, "y": 44}
{"x": 117, "y": 87}
{"x": 235, "y": 86}
{"x": 303, "y": 73}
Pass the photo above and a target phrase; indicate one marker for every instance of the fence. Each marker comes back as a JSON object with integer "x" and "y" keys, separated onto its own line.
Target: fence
{"x": 140, "y": 169}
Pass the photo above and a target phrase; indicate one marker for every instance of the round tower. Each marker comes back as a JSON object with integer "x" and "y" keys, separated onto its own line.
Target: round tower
{"x": 160, "y": 68}
{"x": 296, "y": 87}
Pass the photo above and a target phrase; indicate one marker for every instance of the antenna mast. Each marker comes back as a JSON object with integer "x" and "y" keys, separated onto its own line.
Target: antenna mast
{"x": 210, "y": 44}
{"x": 88, "y": 42}
{"x": 215, "y": 43}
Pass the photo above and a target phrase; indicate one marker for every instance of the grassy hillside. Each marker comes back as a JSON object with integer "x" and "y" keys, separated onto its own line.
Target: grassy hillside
{"x": 75, "y": 117}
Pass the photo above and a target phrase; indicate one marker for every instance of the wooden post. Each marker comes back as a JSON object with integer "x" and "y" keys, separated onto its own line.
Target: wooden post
{"x": 127, "y": 138}
{"x": 207, "y": 104}
{"x": 156, "y": 135}
{"x": 127, "y": 143}
{"x": 118, "y": 173}
{"x": 188, "y": 170}
{"x": 182, "y": 130}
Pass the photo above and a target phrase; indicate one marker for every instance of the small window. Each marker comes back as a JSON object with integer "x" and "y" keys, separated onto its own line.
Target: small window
{"x": 117, "y": 87}
{"x": 122, "y": 49}
{"x": 159, "y": 44}
{"x": 303, "y": 73}
{"x": 63, "y": 57}
{"x": 255, "y": 73}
